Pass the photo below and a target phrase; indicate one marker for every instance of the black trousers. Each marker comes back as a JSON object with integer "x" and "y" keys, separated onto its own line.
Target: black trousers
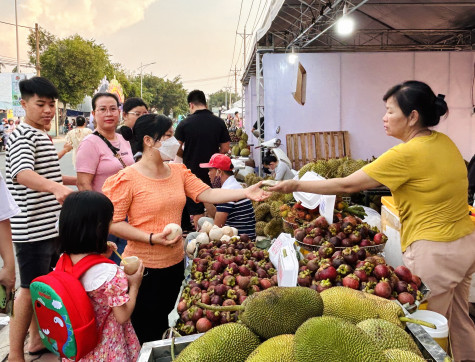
{"x": 156, "y": 298}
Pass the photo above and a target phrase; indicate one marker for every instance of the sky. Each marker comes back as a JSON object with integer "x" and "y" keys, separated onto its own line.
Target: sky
{"x": 194, "y": 39}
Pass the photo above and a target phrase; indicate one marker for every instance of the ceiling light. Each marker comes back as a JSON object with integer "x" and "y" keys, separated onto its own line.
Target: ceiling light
{"x": 345, "y": 25}
{"x": 292, "y": 57}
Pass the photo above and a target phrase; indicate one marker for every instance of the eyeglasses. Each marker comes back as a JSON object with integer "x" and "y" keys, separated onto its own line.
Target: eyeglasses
{"x": 137, "y": 114}
{"x": 112, "y": 110}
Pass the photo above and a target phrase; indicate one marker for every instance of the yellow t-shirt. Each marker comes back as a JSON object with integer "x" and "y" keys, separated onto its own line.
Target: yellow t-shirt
{"x": 428, "y": 179}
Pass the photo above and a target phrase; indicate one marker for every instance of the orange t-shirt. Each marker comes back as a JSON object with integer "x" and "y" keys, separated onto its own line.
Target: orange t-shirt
{"x": 150, "y": 205}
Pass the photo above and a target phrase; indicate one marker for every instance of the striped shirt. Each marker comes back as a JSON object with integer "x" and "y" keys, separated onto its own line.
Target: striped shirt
{"x": 240, "y": 213}
{"x": 30, "y": 149}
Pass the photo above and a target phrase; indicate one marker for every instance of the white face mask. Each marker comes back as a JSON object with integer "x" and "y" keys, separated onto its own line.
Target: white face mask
{"x": 168, "y": 149}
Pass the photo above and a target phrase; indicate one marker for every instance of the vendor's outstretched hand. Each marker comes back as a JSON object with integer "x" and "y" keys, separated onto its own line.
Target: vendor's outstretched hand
{"x": 255, "y": 192}
{"x": 285, "y": 187}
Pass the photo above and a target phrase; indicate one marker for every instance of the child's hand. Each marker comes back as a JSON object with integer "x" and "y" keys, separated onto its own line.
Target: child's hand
{"x": 136, "y": 278}
{"x": 111, "y": 246}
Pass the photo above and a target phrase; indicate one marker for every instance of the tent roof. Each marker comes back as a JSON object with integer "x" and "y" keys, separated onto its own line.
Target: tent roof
{"x": 381, "y": 25}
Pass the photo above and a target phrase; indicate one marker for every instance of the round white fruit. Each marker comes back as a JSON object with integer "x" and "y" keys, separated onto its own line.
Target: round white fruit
{"x": 215, "y": 234}
{"x": 175, "y": 231}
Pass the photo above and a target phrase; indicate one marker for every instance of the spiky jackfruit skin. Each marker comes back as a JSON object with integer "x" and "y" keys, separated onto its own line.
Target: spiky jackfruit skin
{"x": 400, "y": 355}
{"x": 305, "y": 168}
{"x": 288, "y": 198}
{"x": 388, "y": 335}
{"x": 280, "y": 310}
{"x": 260, "y": 226}
{"x": 248, "y": 178}
{"x": 276, "y": 349}
{"x": 321, "y": 167}
{"x": 331, "y": 339}
{"x": 224, "y": 343}
{"x": 273, "y": 228}
{"x": 356, "y": 306}
{"x": 333, "y": 165}
{"x": 275, "y": 208}
{"x": 262, "y": 211}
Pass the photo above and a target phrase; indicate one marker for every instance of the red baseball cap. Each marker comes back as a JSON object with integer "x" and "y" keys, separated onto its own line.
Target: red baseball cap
{"x": 219, "y": 161}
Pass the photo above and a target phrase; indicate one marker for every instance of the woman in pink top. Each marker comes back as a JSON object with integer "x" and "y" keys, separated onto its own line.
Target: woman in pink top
{"x": 96, "y": 160}
{"x": 152, "y": 194}
{"x": 103, "y": 153}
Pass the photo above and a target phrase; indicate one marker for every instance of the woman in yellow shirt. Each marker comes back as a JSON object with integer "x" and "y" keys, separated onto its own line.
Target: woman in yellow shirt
{"x": 152, "y": 194}
{"x": 428, "y": 179}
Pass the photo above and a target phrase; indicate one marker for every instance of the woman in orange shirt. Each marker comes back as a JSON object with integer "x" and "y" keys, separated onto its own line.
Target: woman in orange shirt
{"x": 152, "y": 194}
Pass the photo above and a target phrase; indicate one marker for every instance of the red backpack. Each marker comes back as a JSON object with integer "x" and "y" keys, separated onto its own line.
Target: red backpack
{"x": 64, "y": 313}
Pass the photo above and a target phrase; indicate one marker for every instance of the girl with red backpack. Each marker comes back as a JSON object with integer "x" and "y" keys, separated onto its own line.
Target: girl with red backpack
{"x": 83, "y": 228}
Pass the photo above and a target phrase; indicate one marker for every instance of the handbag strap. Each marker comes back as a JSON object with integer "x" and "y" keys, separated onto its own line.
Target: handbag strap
{"x": 112, "y": 148}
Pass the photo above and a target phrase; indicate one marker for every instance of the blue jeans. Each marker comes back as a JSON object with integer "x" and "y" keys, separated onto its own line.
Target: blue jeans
{"x": 121, "y": 243}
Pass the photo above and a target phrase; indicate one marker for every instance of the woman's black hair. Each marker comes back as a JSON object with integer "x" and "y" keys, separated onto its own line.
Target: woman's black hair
{"x": 80, "y": 121}
{"x": 100, "y": 95}
{"x": 414, "y": 95}
{"x": 268, "y": 158}
{"x": 84, "y": 223}
{"x": 152, "y": 125}
{"x": 131, "y": 103}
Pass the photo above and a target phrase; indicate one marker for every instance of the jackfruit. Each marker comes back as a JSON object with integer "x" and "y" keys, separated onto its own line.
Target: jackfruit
{"x": 288, "y": 198}
{"x": 388, "y": 335}
{"x": 261, "y": 211}
{"x": 224, "y": 343}
{"x": 268, "y": 218}
{"x": 249, "y": 178}
{"x": 244, "y": 137}
{"x": 321, "y": 167}
{"x": 235, "y": 150}
{"x": 273, "y": 228}
{"x": 260, "y": 225}
{"x": 239, "y": 132}
{"x": 356, "y": 306}
{"x": 276, "y": 310}
{"x": 245, "y": 152}
{"x": 242, "y": 144}
{"x": 305, "y": 168}
{"x": 276, "y": 349}
{"x": 275, "y": 208}
{"x": 332, "y": 339}
{"x": 400, "y": 355}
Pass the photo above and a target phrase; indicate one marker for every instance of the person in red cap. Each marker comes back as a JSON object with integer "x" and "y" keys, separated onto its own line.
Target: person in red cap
{"x": 238, "y": 214}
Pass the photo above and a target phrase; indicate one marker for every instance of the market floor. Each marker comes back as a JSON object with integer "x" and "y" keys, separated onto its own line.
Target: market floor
{"x": 4, "y": 347}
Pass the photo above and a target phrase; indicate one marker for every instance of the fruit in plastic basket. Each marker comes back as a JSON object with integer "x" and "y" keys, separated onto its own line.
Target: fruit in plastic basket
{"x": 231, "y": 341}
{"x": 406, "y": 297}
{"x": 403, "y": 273}
{"x": 387, "y": 335}
{"x": 278, "y": 348}
{"x": 356, "y": 306}
{"x": 277, "y": 310}
{"x": 380, "y": 238}
{"x": 397, "y": 355}
{"x": 334, "y": 339}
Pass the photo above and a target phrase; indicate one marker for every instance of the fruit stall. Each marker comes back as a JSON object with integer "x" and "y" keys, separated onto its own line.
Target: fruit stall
{"x": 344, "y": 301}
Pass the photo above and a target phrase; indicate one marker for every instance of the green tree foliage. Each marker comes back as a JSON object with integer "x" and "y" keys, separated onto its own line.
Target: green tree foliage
{"x": 218, "y": 99}
{"x": 45, "y": 40}
{"x": 75, "y": 66}
{"x": 129, "y": 86}
{"x": 163, "y": 95}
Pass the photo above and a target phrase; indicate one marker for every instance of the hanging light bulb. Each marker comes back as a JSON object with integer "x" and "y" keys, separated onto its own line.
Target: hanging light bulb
{"x": 345, "y": 25}
{"x": 292, "y": 57}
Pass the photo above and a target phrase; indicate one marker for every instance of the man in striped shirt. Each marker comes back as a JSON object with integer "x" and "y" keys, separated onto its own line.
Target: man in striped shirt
{"x": 238, "y": 214}
{"x": 35, "y": 182}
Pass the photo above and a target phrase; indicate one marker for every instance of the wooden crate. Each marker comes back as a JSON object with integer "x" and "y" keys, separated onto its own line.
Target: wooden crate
{"x": 303, "y": 148}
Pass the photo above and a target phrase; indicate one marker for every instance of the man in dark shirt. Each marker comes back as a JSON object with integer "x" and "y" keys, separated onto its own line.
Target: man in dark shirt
{"x": 201, "y": 135}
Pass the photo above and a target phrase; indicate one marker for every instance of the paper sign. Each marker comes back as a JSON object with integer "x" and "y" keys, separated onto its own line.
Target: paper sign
{"x": 283, "y": 240}
{"x": 327, "y": 207}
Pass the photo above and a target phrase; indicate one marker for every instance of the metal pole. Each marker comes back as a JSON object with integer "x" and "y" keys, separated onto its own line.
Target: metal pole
{"x": 258, "y": 96}
{"x": 17, "y": 47}
{"x": 37, "y": 34}
{"x": 141, "y": 69}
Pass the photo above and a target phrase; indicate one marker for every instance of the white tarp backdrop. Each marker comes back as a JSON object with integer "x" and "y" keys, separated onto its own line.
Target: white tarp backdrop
{"x": 345, "y": 90}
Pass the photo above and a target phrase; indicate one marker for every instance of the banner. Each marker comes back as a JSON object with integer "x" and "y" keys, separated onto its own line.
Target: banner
{"x": 18, "y": 111}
